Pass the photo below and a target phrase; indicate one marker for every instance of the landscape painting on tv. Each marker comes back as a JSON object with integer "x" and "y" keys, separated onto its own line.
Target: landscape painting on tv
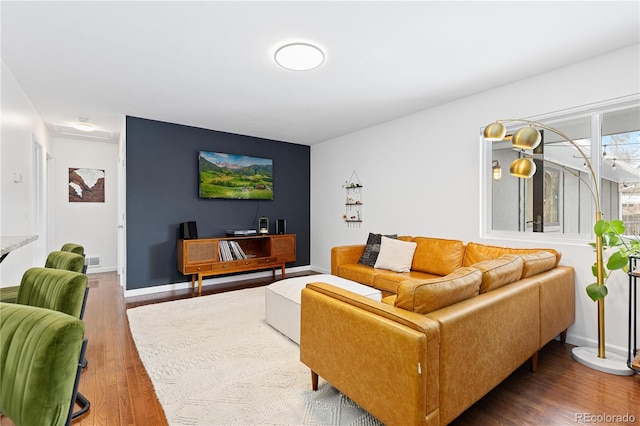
{"x": 237, "y": 177}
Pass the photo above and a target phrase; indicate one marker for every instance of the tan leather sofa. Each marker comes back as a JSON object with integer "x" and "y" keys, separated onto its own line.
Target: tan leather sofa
{"x": 463, "y": 319}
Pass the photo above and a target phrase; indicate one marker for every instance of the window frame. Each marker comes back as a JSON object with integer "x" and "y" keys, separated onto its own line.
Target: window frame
{"x": 595, "y": 112}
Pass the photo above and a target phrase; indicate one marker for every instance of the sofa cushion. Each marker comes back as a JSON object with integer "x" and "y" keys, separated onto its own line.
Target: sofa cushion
{"x": 430, "y": 295}
{"x": 372, "y": 248}
{"x": 437, "y": 256}
{"x": 537, "y": 263}
{"x": 388, "y": 281}
{"x": 501, "y": 271}
{"x": 477, "y": 252}
{"x": 395, "y": 255}
{"x": 389, "y": 300}
{"x": 362, "y": 274}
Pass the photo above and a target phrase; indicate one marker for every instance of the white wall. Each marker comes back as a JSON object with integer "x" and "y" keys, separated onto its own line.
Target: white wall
{"x": 20, "y": 125}
{"x": 91, "y": 224}
{"x": 421, "y": 174}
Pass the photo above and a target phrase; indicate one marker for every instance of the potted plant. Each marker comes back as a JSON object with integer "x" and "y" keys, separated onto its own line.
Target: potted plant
{"x": 612, "y": 234}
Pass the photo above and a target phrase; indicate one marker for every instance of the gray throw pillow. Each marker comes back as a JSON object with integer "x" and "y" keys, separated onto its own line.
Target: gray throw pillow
{"x": 372, "y": 249}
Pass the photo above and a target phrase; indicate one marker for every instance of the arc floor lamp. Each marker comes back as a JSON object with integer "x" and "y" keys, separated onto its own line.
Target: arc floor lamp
{"x": 527, "y": 139}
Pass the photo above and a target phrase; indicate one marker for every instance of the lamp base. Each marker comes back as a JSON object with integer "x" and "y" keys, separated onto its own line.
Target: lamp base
{"x": 612, "y": 364}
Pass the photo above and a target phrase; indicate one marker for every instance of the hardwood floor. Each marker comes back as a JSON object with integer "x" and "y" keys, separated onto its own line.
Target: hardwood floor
{"x": 560, "y": 392}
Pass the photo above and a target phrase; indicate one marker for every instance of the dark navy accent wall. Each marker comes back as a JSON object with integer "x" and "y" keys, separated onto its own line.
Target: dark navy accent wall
{"x": 162, "y": 192}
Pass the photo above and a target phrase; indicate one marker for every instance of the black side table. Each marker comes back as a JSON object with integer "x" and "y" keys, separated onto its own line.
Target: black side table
{"x": 633, "y": 356}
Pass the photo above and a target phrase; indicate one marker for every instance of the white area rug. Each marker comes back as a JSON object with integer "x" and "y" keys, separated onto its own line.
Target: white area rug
{"x": 214, "y": 360}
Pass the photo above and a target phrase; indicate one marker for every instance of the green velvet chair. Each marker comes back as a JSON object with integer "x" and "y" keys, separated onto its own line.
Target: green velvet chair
{"x": 40, "y": 350}
{"x": 77, "y": 249}
{"x": 58, "y": 290}
{"x": 67, "y": 260}
{"x": 9, "y": 294}
{"x": 73, "y": 248}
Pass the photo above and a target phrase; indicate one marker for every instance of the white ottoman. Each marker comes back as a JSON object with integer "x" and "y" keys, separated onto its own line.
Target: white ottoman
{"x": 282, "y": 300}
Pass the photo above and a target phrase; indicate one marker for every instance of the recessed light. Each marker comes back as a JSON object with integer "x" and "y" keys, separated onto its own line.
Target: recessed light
{"x": 83, "y": 125}
{"x": 299, "y": 56}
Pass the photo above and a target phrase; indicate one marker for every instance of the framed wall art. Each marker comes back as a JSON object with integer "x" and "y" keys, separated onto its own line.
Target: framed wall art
{"x": 86, "y": 185}
{"x": 231, "y": 176}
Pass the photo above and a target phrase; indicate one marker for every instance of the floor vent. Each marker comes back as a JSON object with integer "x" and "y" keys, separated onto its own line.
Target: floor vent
{"x": 93, "y": 261}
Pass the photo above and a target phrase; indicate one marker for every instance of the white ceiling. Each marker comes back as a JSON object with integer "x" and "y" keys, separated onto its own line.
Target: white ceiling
{"x": 210, "y": 64}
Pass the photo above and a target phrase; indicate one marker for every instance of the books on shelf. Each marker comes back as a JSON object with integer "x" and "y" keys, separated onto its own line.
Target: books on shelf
{"x": 230, "y": 250}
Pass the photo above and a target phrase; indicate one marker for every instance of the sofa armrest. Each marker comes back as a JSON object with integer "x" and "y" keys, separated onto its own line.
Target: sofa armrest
{"x": 483, "y": 340}
{"x": 557, "y": 302}
{"x": 384, "y": 358}
{"x": 345, "y": 255}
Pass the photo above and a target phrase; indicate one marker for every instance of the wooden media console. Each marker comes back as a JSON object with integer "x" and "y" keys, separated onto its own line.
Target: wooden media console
{"x": 203, "y": 257}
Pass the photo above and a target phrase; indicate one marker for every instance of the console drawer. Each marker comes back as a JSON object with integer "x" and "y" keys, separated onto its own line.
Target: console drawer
{"x": 197, "y": 268}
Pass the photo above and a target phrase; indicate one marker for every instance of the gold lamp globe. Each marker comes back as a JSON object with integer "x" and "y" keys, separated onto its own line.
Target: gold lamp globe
{"x": 495, "y": 132}
{"x": 526, "y": 138}
{"x": 522, "y": 168}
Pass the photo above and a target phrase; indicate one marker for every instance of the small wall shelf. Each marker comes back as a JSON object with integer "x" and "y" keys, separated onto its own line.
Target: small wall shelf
{"x": 353, "y": 202}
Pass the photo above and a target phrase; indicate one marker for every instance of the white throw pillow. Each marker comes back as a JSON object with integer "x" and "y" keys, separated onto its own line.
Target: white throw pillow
{"x": 395, "y": 255}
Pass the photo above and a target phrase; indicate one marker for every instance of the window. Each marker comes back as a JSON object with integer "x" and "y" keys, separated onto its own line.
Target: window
{"x": 559, "y": 199}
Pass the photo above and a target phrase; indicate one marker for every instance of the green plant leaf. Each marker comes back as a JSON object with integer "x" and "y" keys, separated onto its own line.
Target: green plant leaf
{"x": 634, "y": 246}
{"x": 611, "y": 234}
{"x": 617, "y": 260}
{"x": 600, "y": 227}
{"x": 597, "y": 292}
{"x": 617, "y": 226}
{"x": 594, "y": 271}
{"x": 611, "y": 239}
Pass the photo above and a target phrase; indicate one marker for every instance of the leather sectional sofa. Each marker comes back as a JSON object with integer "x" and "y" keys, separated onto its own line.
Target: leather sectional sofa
{"x": 446, "y": 332}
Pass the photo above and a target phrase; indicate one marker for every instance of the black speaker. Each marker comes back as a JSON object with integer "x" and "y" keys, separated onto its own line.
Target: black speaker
{"x": 188, "y": 231}
{"x": 281, "y": 226}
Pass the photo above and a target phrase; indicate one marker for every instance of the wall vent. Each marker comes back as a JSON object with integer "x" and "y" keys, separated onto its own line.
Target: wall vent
{"x": 93, "y": 261}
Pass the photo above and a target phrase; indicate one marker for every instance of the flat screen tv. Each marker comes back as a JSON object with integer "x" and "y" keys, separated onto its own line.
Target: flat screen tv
{"x": 238, "y": 177}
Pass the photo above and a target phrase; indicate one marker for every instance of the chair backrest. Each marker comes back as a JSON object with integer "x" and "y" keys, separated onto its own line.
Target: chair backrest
{"x": 39, "y": 359}
{"x": 73, "y": 248}
{"x": 65, "y": 260}
{"x": 56, "y": 289}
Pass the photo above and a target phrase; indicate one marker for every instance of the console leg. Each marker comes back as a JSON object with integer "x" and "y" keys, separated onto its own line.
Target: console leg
{"x": 314, "y": 380}
{"x": 199, "y": 283}
{"x": 534, "y": 362}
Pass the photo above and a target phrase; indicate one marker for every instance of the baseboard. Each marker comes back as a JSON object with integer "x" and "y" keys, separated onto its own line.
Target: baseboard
{"x": 591, "y": 343}
{"x": 320, "y": 269}
{"x": 209, "y": 282}
{"x": 101, "y": 270}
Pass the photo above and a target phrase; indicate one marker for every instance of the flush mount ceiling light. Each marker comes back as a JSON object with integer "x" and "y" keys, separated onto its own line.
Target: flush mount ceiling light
{"x": 84, "y": 125}
{"x": 299, "y": 56}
